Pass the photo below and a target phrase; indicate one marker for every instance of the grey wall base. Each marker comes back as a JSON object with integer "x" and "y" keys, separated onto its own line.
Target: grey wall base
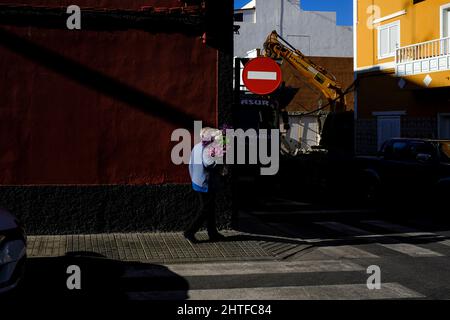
{"x": 104, "y": 209}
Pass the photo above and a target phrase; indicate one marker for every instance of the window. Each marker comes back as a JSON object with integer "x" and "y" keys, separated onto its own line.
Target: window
{"x": 417, "y": 148}
{"x": 444, "y": 126}
{"x": 388, "y": 40}
{"x": 445, "y": 21}
{"x": 386, "y": 150}
{"x": 400, "y": 150}
{"x": 245, "y": 16}
{"x": 395, "y": 150}
{"x": 239, "y": 17}
{"x": 444, "y": 147}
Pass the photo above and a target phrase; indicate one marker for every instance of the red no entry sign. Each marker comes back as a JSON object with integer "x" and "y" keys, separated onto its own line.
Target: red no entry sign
{"x": 262, "y": 75}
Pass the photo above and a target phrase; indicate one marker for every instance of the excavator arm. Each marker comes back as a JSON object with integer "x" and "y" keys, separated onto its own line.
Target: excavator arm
{"x": 276, "y": 47}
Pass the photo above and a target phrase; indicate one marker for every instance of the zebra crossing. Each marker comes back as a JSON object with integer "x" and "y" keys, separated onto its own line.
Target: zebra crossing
{"x": 336, "y": 268}
{"x": 217, "y": 288}
{"x": 388, "y": 242}
{"x": 330, "y": 292}
{"x": 347, "y": 239}
{"x": 403, "y": 231}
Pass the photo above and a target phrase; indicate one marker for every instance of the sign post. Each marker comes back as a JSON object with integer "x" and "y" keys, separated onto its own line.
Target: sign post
{"x": 262, "y": 76}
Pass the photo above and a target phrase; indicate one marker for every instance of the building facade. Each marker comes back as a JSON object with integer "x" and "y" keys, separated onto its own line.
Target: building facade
{"x": 86, "y": 116}
{"x": 313, "y": 33}
{"x": 317, "y": 36}
{"x": 402, "y": 66}
{"x": 305, "y": 124}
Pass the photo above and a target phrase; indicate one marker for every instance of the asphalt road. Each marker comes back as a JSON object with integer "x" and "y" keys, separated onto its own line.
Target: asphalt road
{"x": 411, "y": 249}
{"x": 332, "y": 263}
{"x": 334, "y": 249}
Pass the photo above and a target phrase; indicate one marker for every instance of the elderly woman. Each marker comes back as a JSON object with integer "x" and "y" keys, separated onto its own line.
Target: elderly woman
{"x": 204, "y": 158}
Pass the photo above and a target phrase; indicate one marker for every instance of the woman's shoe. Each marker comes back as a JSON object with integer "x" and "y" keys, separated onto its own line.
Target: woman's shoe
{"x": 216, "y": 236}
{"x": 190, "y": 236}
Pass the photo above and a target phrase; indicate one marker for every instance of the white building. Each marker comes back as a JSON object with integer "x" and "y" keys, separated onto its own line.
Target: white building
{"x": 312, "y": 32}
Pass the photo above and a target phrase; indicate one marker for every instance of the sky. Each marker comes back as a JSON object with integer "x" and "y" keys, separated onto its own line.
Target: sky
{"x": 342, "y": 7}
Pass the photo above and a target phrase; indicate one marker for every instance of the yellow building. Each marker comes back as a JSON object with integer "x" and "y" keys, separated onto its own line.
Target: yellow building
{"x": 402, "y": 67}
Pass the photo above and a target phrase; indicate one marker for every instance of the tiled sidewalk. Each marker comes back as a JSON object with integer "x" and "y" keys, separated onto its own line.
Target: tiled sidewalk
{"x": 155, "y": 247}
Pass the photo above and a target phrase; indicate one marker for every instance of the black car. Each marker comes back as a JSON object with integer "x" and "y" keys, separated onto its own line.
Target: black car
{"x": 418, "y": 169}
{"x": 12, "y": 252}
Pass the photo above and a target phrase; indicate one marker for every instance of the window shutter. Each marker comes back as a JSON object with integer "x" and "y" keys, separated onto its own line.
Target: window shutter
{"x": 384, "y": 42}
{"x": 393, "y": 38}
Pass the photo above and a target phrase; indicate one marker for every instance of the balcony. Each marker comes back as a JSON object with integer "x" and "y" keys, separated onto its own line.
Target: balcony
{"x": 425, "y": 57}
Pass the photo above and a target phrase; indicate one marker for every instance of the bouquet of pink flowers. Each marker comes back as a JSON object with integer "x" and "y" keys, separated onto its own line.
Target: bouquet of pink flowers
{"x": 216, "y": 141}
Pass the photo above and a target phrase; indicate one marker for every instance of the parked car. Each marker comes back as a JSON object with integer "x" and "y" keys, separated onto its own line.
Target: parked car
{"x": 12, "y": 251}
{"x": 416, "y": 168}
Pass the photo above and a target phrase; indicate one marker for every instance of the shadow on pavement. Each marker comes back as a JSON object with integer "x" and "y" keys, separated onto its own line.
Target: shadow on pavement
{"x": 283, "y": 226}
{"x": 101, "y": 279}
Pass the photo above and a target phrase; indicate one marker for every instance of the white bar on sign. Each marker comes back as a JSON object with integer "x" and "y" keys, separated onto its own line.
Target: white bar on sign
{"x": 262, "y": 75}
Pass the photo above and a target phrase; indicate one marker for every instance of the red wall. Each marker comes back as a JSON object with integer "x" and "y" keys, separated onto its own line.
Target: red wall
{"x": 82, "y": 110}
{"x": 116, "y": 4}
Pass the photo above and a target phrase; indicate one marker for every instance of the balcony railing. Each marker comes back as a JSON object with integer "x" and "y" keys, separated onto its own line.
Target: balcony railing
{"x": 423, "y": 57}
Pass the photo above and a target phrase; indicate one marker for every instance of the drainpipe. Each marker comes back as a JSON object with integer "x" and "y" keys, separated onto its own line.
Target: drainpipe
{"x": 281, "y": 17}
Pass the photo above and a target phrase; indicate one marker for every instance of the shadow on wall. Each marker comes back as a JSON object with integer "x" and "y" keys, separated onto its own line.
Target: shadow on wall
{"x": 101, "y": 279}
{"x": 384, "y": 92}
{"x": 95, "y": 80}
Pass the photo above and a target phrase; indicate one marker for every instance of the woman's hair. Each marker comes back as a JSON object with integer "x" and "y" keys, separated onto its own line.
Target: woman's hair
{"x": 209, "y": 134}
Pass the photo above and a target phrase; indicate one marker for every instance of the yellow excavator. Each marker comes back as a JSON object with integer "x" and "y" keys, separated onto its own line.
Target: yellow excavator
{"x": 276, "y": 47}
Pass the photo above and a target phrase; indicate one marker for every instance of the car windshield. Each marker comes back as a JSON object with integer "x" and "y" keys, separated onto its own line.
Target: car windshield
{"x": 445, "y": 151}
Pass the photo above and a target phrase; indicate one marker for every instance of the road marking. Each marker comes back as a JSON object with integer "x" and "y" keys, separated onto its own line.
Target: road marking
{"x": 404, "y": 248}
{"x": 261, "y": 75}
{"x": 314, "y": 212}
{"x": 343, "y": 228}
{"x": 307, "y": 236}
{"x": 245, "y": 268}
{"x": 412, "y": 250}
{"x": 445, "y": 243}
{"x": 347, "y": 252}
{"x": 323, "y": 292}
{"x": 336, "y": 251}
{"x": 407, "y": 231}
{"x": 286, "y": 201}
